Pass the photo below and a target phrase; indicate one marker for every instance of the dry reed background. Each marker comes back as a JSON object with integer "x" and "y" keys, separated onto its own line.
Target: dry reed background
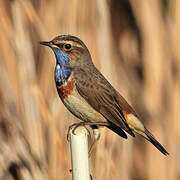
{"x": 136, "y": 46}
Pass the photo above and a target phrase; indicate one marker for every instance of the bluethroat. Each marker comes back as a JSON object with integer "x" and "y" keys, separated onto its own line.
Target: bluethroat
{"x": 88, "y": 95}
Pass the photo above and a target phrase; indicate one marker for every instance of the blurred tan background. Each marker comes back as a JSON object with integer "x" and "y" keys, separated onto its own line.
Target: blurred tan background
{"x": 134, "y": 43}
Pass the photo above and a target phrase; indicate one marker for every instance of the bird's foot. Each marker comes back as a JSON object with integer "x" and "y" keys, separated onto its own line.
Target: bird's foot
{"x": 95, "y": 137}
{"x": 76, "y": 125}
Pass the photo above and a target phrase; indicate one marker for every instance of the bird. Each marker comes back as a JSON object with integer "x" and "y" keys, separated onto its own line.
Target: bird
{"x": 88, "y": 95}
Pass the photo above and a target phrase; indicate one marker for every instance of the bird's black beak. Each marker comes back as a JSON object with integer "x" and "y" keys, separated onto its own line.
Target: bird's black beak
{"x": 46, "y": 43}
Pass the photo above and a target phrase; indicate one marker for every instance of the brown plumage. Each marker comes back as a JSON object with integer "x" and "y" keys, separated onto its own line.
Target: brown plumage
{"x": 94, "y": 99}
{"x": 106, "y": 100}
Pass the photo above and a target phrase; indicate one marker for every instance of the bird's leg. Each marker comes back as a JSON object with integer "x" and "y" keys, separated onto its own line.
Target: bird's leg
{"x": 96, "y": 136}
{"x": 94, "y": 126}
{"x": 76, "y": 125}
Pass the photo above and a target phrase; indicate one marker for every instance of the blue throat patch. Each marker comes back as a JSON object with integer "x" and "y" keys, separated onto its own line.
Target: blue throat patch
{"x": 62, "y": 72}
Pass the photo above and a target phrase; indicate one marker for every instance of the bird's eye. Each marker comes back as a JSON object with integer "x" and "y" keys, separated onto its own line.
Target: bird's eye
{"x": 67, "y": 46}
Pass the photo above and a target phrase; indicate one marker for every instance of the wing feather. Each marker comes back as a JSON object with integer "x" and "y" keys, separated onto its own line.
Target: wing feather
{"x": 97, "y": 91}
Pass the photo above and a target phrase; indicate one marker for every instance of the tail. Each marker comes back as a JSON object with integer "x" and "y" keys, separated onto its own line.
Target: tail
{"x": 117, "y": 130}
{"x": 139, "y": 128}
{"x": 152, "y": 139}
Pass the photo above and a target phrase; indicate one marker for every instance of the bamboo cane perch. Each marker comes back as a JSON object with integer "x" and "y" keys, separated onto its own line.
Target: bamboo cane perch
{"x": 79, "y": 154}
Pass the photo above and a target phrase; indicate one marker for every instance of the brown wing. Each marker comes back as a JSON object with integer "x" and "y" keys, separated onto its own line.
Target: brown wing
{"x": 98, "y": 92}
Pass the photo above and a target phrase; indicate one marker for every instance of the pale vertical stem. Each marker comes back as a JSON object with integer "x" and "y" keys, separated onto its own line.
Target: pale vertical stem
{"x": 155, "y": 54}
{"x": 79, "y": 154}
{"x": 157, "y": 75}
{"x": 104, "y": 41}
{"x": 174, "y": 115}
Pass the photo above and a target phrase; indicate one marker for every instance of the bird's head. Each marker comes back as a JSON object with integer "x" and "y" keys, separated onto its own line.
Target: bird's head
{"x": 69, "y": 51}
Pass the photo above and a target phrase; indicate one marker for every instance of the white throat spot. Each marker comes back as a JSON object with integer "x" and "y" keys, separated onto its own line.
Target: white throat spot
{"x": 58, "y": 66}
